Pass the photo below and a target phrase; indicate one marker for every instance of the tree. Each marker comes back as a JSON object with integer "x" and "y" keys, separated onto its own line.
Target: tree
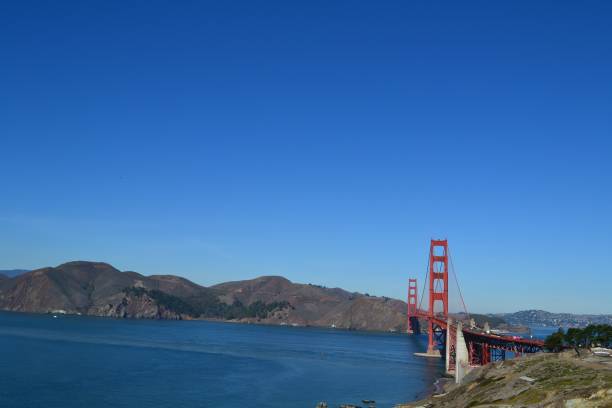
{"x": 592, "y": 335}
{"x": 573, "y": 338}
{"x": 554, "y": 342}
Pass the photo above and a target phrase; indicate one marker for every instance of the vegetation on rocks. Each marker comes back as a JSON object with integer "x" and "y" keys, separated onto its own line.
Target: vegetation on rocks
{"x": 209, "y": 306}
{"x": 99, "y": 289}
{"x": 540, "y": 380}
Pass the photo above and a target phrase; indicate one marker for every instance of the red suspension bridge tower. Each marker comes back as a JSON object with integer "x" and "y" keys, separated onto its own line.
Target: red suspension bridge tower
{"x": 438, "y": 288}
{"x": 464, "y": 344}
{"x": 413, "y": 319}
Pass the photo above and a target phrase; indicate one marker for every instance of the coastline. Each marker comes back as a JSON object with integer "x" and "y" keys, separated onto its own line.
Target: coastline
{"x": 441, "y": 383}
{"x": 550, "y": 379}
{"x": 207, "y": 319}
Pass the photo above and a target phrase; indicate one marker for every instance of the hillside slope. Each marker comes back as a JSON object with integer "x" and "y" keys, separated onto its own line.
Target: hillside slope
{"x": 11, "y": 273}
{"x": 96, "y": 288}
{"x": 318, "y": 306}
{"x": 93, "y": 288}
{"x": 544, "y": 318}
{"x": 557, "y": 380}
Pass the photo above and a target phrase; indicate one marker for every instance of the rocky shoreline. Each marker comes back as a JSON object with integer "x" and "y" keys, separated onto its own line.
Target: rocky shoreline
{"x": 541, "y": 380}
{"x": 202, "y": 319}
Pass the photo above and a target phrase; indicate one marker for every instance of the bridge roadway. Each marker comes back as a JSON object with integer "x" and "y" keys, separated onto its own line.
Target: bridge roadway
{"x": 462, "y": 347}
{"x": 475, "y": 333}
{"x": 482, "y": 347}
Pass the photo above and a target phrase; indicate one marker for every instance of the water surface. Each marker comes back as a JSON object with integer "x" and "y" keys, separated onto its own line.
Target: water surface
{"x": 77, "y": 361}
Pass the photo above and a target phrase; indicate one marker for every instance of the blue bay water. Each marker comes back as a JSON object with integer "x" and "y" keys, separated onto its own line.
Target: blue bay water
{"x": 77, "y": 361}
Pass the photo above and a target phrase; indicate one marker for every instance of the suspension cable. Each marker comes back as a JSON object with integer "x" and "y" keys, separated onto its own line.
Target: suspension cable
{"x": 424, "y": 284}
{"x": 457, "y": 282}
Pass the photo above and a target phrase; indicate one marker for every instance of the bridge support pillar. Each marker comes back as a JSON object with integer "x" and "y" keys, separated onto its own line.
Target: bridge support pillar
{"x": 462, "y": 359}
{"x": 451, "y": 346}
{"x": 433, "y": 351}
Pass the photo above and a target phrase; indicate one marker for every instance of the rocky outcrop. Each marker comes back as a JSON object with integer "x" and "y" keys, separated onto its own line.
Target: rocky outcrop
{"x": 541, "y": 380}
{"x": 135, "y": 307}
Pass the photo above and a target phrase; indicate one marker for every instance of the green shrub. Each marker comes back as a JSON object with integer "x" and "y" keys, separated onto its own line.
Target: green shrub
{"x": 209, "y": 305}
{"x": 592, "y": 335}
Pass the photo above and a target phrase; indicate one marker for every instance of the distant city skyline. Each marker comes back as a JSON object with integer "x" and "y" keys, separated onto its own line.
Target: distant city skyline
{"x": 326, "y": 142}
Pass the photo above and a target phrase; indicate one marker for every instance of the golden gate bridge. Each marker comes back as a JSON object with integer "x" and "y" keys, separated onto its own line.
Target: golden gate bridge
{"x": 462, "y": 346}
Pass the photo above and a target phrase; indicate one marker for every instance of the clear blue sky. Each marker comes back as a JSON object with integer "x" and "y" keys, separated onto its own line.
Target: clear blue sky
{"x": 324, "y": 141}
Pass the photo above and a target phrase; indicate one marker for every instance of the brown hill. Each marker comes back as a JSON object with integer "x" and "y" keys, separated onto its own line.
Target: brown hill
{"x": 316, "y": 305}
{"x": 96, "y": 288}
{"x": 93, "y": 288}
